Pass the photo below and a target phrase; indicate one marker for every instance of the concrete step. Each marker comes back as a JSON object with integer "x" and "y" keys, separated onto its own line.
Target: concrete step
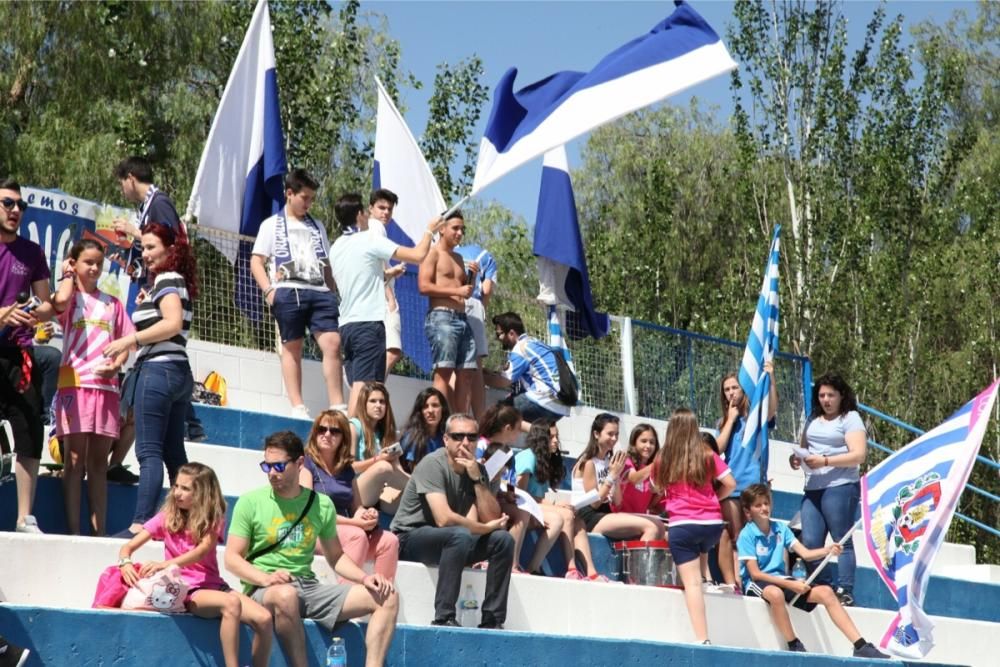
{"x": 59, "y": 573}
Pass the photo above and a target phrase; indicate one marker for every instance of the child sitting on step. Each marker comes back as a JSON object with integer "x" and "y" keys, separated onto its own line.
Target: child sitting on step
{"x": 761, "y": 547}
{"x": 191, "y": 524}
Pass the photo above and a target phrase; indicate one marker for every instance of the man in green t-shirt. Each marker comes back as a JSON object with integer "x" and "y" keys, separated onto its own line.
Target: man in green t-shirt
{"x": 282, "y": 578}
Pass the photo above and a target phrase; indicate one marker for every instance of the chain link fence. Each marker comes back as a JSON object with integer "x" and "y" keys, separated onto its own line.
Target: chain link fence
{"x": 670, "y": 368}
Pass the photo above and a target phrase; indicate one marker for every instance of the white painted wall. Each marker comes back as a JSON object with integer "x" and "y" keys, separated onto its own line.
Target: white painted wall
{"x": 55, "y": 571}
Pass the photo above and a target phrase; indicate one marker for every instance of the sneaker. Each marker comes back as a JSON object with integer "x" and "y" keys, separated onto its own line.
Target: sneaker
{"x": 599, "y": 577}
{"x": 795, "y": 646}
{"x": 573, "y": 574}
{"x": 846, "y": 597}
{"x": 481, "y": 565}
{"x": 196, "y": 434}
{"x": 12, "y": 655}
{"x": 300, "y": 412}
{"x": 707, "y": 642}
{"x": 339, "y": 407}
{"x": 490, "y": 625}
{"x": 517, "y": 569}
{"x": 29, "y": 525}
{"x": 869, "y": 651}
{"x": 122, "y": 475}
{"x": 446, "y": 622}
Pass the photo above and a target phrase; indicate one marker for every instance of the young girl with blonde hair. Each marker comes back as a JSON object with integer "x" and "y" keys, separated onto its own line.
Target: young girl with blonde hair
{"x": 191, "y": 524}
{"x": 684, "y": 472}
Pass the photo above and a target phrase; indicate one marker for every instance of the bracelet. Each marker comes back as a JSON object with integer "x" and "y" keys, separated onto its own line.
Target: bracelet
{"x": 124, "y": 561}
{"x": 270, "y": 288}
{"x": 826, "y": 461}
{"x": 68, "y": 274}
{"x": 135, "y": 337}
{"x": 428, "y": 232}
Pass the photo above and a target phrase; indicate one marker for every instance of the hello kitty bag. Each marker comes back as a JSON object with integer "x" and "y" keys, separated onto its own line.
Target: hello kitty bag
{"x": 164, "y": 591}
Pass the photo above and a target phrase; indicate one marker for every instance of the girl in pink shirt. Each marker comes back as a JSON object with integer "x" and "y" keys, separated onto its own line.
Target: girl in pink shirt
{"x": 87, "y": 399}
{"x": 191, "y": 524}
{"x": 684, "y": 472}
{"x": 637, "y": 488}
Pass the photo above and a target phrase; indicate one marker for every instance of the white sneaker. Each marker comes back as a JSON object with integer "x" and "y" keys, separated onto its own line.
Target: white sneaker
{"x": 339, "y": 407}
{"x": 300, "y": 412}
{"x": 29, "y": 525}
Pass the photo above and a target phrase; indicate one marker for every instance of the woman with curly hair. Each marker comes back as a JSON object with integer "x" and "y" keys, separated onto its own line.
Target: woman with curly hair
{"x": 160, "y": 384}
{"x": 837, "y": 442}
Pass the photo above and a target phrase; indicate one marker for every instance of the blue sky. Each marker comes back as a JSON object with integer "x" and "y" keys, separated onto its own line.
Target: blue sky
{"x": 540, "y": 38}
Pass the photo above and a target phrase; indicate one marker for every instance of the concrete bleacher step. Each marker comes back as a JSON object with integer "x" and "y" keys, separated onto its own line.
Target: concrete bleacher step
{"x": 46, "y": 575}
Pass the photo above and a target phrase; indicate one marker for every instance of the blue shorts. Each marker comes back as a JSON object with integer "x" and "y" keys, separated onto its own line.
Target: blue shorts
{"x": 688, "y": 541}
{"x": 295, "y": 309}
{"x": 451, "y": 339}
{"x": 531, "y": 411}
{"x": 363, "y": 344}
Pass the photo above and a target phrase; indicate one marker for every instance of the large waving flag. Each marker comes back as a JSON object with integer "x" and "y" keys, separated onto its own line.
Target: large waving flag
{"x": 679, "y": 52}
{"x": 907, "y": 504}
{"x": 558, "y": 244}
{"x": 762, "y": 343}
{"x": 400, "y": 166}
{"x": 240, "y": 179}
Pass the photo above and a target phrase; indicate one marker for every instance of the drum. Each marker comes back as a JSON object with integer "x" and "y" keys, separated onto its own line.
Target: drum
{"x": 646, "y": 563}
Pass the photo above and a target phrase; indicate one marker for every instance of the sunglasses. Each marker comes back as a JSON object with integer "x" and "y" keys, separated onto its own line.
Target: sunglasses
{"x": 459, "y": 437}
{"x": 332, "y": 430}
{"x": 277, "y": 466}
{"x": 9, "y": 203}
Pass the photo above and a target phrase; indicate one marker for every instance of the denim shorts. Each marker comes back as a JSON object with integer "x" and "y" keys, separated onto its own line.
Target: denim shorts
{"x": 295, "y": 309}
{"x": 363, "y": 344}
{"x": 450, "y": 336}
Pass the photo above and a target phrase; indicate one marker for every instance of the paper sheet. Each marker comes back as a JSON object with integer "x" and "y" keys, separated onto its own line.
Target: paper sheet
{"x": 528, "y": 504}
{"x": 496, "y": 462}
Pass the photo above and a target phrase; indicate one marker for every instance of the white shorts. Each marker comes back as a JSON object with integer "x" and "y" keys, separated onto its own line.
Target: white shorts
{"x": 476, "y": 316}
{"x": 393, "y": 329}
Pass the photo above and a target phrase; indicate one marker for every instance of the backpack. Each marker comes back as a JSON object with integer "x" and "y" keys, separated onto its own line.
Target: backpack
{"x": 568, "y": 391}
{"x": 216, "y": 384}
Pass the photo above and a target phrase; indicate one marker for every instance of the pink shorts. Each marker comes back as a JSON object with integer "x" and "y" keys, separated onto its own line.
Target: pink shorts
{"x": 85, "y": 410}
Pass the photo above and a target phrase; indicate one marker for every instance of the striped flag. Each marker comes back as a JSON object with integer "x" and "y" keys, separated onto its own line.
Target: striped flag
{"x": 762, "y": 343}
{"x": 558, "y": 245}
{"x": 907, "y": 503}
{"x": 240, "y": 179}
{"x": 400, "y": 166}
{"x": 556, "y": 341}
{"x": 680, "y": 51}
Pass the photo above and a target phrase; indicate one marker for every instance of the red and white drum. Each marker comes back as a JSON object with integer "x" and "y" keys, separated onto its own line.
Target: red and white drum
{"x": 646, "y": 563}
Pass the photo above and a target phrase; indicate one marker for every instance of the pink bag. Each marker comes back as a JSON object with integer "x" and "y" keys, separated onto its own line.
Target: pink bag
{"x": 164, "y": 591}
{"x": 111, "y": 588}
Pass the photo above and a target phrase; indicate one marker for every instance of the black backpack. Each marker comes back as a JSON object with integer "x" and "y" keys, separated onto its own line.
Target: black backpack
{"x": 568, "y": 391}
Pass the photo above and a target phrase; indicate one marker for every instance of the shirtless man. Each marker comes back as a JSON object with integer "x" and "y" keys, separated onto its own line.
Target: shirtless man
{"x": 442, "y": 278}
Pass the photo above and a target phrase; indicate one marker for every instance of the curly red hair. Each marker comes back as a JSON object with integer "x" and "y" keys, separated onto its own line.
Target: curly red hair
{"x": 180, "y": 256}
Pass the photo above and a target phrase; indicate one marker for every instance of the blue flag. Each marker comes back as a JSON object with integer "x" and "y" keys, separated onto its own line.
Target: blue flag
{"x": 558, "y": 244}
{"x": 679, "y": 52}
{"x": 762, "y": 343}
{"x": 243, "y": 164}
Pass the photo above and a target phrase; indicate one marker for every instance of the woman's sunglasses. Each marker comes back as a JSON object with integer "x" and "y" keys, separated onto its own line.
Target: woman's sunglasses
{"x": 332, "y": 430}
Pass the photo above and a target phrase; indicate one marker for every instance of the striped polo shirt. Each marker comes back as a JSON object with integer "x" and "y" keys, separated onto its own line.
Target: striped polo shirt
{"x": 148, "y": 313}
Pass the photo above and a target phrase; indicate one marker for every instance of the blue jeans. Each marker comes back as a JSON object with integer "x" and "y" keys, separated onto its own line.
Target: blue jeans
{"x": 833, "y": 510}
{"x": 450, "y": 337}
{"x": 162, "y": 397}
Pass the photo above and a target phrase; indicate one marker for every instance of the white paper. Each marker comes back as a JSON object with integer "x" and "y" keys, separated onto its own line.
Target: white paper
{"x": 496, "y": 463}
{"x": 528, "y": 504}
{"x": 588, "y": 498}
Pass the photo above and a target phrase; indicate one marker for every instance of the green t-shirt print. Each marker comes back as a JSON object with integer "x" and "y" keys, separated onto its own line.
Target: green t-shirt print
{"x": 262, "y": 517}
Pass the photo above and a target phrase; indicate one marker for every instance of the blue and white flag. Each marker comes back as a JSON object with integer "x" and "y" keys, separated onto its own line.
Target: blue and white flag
{"x": 240, "y": 179}
{"x": 400, "y": 166}
{"x": 679, "y": 52}
{"x": 762, "y": 343}
{"x": 558, "y": 245}
{"x": 907, "y": 504}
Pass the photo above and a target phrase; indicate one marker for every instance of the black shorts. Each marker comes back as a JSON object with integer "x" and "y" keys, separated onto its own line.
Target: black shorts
{"x": 592, "y": 517}
{"x": 756, "y": 591}
{"x": 22, "y": 409}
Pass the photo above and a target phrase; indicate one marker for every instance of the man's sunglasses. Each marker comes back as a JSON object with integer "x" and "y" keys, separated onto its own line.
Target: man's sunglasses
{"x": 277, "y": 466}
{"x": 459, "y": 437}
{"x": 9, "y": 203}
{"x": 332, "y": 430}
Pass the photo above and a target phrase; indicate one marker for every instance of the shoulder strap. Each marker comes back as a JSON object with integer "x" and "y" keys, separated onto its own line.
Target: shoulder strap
{"x": 271, "y": 547}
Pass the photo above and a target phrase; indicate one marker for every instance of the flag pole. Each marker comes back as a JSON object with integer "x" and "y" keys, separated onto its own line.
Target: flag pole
{"x": 819, "y": 568}
{"x": 456, "y": 206}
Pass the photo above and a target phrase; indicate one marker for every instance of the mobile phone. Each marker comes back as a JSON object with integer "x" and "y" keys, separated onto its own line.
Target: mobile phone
{"x": 393, "y": 450}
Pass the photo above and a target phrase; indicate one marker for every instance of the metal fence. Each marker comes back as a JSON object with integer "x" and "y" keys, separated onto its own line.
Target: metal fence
{"x": 639, "y": 368}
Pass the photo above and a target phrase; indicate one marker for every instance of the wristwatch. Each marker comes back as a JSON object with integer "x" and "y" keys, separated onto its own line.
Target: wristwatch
{"x": 124, "y": 561}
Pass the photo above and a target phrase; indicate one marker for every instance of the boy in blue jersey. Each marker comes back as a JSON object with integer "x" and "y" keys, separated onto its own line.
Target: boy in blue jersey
{"x": 761, "y": 546}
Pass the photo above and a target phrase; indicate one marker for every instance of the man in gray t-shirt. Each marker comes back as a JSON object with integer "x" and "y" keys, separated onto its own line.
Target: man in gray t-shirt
{"x": 449, "y": 516}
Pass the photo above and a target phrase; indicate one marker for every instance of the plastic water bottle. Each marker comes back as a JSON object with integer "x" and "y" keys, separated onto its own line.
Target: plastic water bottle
{"x": 336, "y": 655}
{"x": 468, "y": 608}
{"x": 799, "y": 570}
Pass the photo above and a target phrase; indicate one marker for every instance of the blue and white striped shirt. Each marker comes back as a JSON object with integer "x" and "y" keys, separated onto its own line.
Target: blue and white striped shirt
{"x": 532, "y": 365}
